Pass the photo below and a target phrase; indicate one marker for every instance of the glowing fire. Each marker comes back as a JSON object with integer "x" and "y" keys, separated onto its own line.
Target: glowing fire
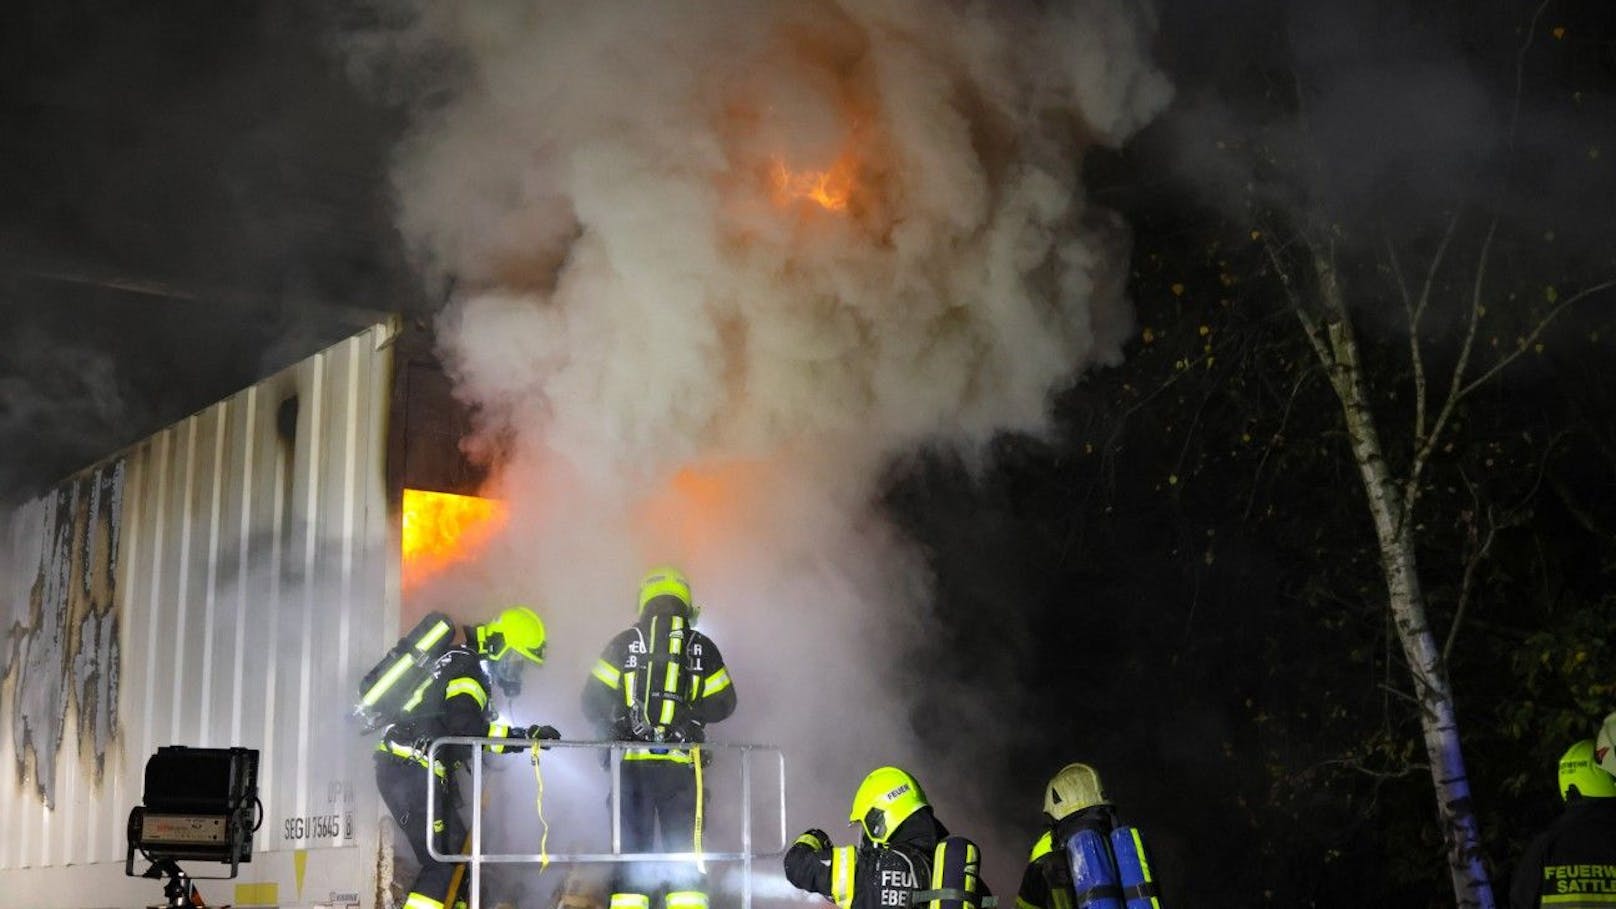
{"x": 706, "y": 509}
{"x": 440, "y": 529}
{"x": 829, "y": 189}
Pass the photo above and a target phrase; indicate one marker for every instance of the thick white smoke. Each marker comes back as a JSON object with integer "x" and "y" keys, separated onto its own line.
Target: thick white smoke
{"x": 717, "y": 264}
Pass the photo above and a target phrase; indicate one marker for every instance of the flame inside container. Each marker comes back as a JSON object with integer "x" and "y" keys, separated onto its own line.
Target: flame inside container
{"x": 441, "y": 529}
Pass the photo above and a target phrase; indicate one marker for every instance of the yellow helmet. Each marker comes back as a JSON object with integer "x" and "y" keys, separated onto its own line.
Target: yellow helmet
{"x": 1580, "y": 773}
{"x": 517, "y": 630}
{"x": 666, "y": 582}
{"x": 885, "y": 800}
{"x": 1074, "y": 788}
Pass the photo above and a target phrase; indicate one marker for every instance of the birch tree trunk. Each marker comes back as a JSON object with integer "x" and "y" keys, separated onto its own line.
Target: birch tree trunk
{"x": 1390, "y": 505}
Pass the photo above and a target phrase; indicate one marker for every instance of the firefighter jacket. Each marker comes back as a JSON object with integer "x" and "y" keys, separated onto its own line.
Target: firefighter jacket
{"x": 1573, "y": 863}
{"x": 868, "y": 876}
{"x": 659, "y": 681}
{"x": 456, "y": 702}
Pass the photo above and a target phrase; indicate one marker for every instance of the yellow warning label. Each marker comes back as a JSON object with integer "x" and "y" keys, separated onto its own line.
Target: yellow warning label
{"x": 263, "y": 894}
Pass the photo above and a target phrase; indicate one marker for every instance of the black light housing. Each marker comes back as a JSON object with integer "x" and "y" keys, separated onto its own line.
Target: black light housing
{"x": 201, "y": 804}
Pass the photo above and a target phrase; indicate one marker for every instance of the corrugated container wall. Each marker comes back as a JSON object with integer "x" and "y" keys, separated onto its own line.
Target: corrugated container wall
{"x": 209, "y": 586}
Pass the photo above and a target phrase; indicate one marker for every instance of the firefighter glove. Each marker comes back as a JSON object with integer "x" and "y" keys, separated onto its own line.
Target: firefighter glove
{"x": 542, "y": 732}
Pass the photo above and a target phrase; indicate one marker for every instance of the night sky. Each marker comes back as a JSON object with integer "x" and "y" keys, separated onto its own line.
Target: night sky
{"x": 193, "y": 194}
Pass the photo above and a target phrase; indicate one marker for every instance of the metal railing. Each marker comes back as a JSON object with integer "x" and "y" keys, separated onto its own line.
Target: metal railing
{"x": 475, "y": 857}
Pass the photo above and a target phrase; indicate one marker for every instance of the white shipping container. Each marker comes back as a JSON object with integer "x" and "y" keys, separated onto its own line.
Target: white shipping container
{"x": 217, "y": 584}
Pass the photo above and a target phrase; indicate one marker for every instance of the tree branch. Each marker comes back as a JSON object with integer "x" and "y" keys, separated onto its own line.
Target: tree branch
{"x": 1424, "y": 448}
{"x": 1536, "y": 331}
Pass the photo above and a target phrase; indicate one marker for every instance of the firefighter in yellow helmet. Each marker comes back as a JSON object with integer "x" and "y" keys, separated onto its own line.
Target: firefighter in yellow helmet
{"x": 1075, "y": 803}
{"x": 660, "y": 682}
{"x": 455, "y": 701}
{"x": 895, "y": 859}
{"x": 1576, "y": 855}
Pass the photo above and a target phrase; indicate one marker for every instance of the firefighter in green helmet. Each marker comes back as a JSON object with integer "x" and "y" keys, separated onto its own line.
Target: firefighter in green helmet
{"x": 454, "y": 701}
{"x": 898, "y": 860}
{"x": 660, "y": 683}
{"x": 1573, "y": 862}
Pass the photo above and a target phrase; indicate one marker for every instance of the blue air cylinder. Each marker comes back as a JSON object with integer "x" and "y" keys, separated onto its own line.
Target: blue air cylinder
{"x": 1094, "y": 874}
{"x": 1133, "y": 869}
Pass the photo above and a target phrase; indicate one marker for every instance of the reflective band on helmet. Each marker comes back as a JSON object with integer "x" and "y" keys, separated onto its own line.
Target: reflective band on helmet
{"x": 607, "y": 673}
{"x": 469, "y": 687}
{"x": 716, "y": 682}
{"x": 843, "y": 861}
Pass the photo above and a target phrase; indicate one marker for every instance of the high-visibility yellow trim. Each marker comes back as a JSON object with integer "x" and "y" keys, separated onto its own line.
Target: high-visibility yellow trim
{"x": 498, "y": 731}
{"x": 811, "y": 841}
{"x": 630, "y": 901}
{"x": 417, "y": 695}
{"x": 467, "y": 686}
{"x": 433, "y": 636}
{"x": 1144, "y": 864}
{"x": 667, "y": 713}
{"x": 608, "y": 674}
{"x": 409, "y": 754}
{"x": 701, "y": 863}
{"x": 685, "y": 899}
{"x": 843, "y": 861}
{"x": 670, "y": 679}
{"x": 628, "y": 688}
{"x": 417, "y": 901}
{"x": 1044, "y": 846}
{"x": 1578, "y": 899}
{"x": 1023, "y": 904}
{"x": 387, "y": 680}
{"x": 716, "y": 682}
{"x": 641, "y": 754}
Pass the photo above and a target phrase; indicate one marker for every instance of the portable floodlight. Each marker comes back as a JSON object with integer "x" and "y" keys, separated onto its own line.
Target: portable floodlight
{"x": 201, "y": 804}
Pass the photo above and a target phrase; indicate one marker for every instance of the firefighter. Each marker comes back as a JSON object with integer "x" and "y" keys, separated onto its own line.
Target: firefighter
{"x": 660, "y": 682}
{"x": 893, "y": 863}
{"x": 454, "y": 702}
{"x": 1074, "y": 803}
{"x": 1573, "y": 862}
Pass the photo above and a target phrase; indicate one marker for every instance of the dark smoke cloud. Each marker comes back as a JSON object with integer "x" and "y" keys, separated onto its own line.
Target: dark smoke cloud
{"x": 191, "y": 195}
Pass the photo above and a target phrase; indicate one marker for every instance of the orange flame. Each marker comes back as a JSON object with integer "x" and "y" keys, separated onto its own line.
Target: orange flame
{"x": 441, "y": 529}
{"x": 705, "y": 509}
{"x": 829, "y": 189}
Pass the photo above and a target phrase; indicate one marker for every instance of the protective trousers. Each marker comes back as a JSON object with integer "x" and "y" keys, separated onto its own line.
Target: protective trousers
{"x": 402, "y": 783}
{"x": 659, "y": 792}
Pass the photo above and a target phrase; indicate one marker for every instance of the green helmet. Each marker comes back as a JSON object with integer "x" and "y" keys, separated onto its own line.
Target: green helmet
{"x": 670, "y": 583}
{"x": 517, "y": 630}
{"x": 1580, "y": 775}
{"x": 1074, "y": 788}
{"x": 885, "y": 800}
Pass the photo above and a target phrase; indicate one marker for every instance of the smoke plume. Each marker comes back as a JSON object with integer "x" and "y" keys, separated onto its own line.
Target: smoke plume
{"x": 714, "y": 266}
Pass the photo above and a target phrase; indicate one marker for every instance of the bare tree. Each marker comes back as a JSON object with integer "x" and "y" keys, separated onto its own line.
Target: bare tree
{"x": 1308, "y": 267}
